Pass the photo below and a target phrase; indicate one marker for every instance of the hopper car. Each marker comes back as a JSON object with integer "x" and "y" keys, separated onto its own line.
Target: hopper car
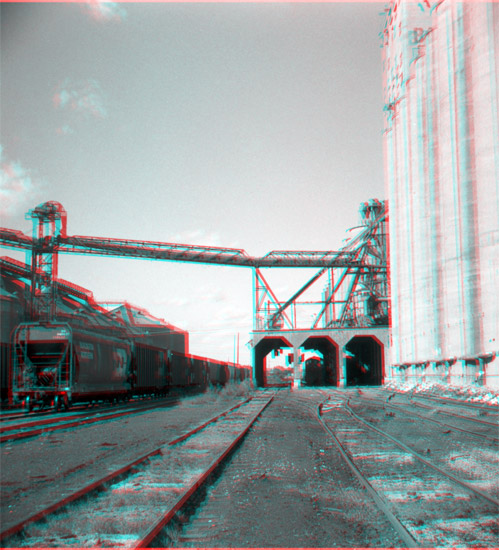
{"x": 56, "y": 364}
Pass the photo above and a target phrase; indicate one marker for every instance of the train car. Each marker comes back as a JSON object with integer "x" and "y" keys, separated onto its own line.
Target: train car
{"x": 314, "y": 372}
{"x": 242, "y": 373}
{"x": 218, "y": 373}
{"x": 188, "y": 371}
{"x": 180, "y": 369}
{"x": 11, "y": 314}
{"x": 199, "y": 372}
{"x": 149, "y": 372}
{"x": 56, "y": 364}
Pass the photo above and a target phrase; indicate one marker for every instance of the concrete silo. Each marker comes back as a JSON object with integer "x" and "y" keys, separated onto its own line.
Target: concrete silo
{"x": 441, "y": 64}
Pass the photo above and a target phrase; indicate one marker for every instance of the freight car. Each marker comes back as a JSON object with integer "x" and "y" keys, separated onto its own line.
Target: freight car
{"x": 149, "y": 370}
{"x": 191, "y": 371}
{"x": 55, "y": 364}
{"x": 59, "y": 364}
{"x": 314, "y": 372}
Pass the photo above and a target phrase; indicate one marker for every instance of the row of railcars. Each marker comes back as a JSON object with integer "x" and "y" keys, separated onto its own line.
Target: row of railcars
{"x": 56, "y": 364}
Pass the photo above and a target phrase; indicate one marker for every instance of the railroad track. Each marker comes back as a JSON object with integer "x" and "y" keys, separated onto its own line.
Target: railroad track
{"x": 456, "y": 415}
{"x": 489, "y": 429}
{"x": 22, "y": 414}
{"x": 458, "y": 403}
{"x": 32, "y": 428}
{"x": 130, "y": 506}
{"x": 426, "y": 504}
{"x": 75, "y": 408}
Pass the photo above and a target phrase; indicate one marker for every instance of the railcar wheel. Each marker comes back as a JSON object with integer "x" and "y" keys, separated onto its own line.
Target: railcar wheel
{"x": 28, "y": 404}
{"x": 57, "y": 403}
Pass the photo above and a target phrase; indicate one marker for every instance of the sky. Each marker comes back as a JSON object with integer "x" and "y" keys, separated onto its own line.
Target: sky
{"x": 247, "y": 125}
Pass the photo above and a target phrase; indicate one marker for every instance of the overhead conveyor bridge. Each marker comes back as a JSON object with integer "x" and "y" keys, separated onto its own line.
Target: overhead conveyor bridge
{"x": 58, "y": 243}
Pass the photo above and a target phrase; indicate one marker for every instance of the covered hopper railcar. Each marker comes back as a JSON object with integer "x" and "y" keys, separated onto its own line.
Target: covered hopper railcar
{"x": 59, "y": 364}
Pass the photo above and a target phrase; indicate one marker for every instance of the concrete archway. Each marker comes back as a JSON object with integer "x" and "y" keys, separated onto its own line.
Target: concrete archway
{"x": 327, "y": 374}
{"x": 364, "y": 361}
{"x": 260, "y": 352}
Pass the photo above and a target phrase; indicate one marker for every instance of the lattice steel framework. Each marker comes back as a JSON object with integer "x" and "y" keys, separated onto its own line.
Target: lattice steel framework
{"x": 362, "y": 261}
{"x": 354, "y": 295}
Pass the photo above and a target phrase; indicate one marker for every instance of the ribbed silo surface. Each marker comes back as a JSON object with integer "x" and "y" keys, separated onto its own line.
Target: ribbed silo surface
{"x": 441, "y": 66}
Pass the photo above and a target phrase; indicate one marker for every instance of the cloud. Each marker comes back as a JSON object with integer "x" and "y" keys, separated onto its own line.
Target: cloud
{"x": 82, "y": 97}
{"x": 105, "y": 11}
{"x": 203, "y": 294}
{"x": 64, "y": 130}
{"x": 18, "y": 187}
{"x": 197, "y": 237}
{"x": 202, "y": 237}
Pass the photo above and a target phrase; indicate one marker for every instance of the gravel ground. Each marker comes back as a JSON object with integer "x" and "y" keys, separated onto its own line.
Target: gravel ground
{"x": 37, "y": 472}
{"x": 286, "y": 486}
{"x": 435, "y": 510}
{"x": 472, "y": 459}
{"x": 467, "y": 393}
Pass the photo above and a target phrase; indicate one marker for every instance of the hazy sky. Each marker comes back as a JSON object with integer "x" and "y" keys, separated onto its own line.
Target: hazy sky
{"x": 257, "y": 126}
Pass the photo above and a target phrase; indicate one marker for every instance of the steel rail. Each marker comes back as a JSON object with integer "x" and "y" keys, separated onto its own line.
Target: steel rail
{"x": 112, "y": 476}
{"x": 421, "y": 458}
{"x": 401, "y": 409}
{"x": 380, "y": 501}
{"x": 406, "y": 516}
{"x": 457, "y": 402}
{"x": 447, "y": 413}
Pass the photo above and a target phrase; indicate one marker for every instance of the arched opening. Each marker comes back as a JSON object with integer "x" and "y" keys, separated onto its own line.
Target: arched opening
{"x": 364, "y": 361}
{"x": 260, "y": 356}
{"x": 321, "y": 369}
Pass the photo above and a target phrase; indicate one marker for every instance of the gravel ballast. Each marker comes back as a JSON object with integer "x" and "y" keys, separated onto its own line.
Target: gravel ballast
{"x": 286, "y": 486}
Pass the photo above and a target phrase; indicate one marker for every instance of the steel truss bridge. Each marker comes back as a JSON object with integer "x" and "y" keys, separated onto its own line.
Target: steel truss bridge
{"x": 355, "y": 294}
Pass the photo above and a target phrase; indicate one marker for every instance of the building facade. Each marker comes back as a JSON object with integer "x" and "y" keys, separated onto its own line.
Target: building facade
{"x": 441, "y": 140}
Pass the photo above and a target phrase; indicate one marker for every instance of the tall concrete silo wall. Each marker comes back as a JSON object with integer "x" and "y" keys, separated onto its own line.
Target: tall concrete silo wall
{"x": 441, "y": 65}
